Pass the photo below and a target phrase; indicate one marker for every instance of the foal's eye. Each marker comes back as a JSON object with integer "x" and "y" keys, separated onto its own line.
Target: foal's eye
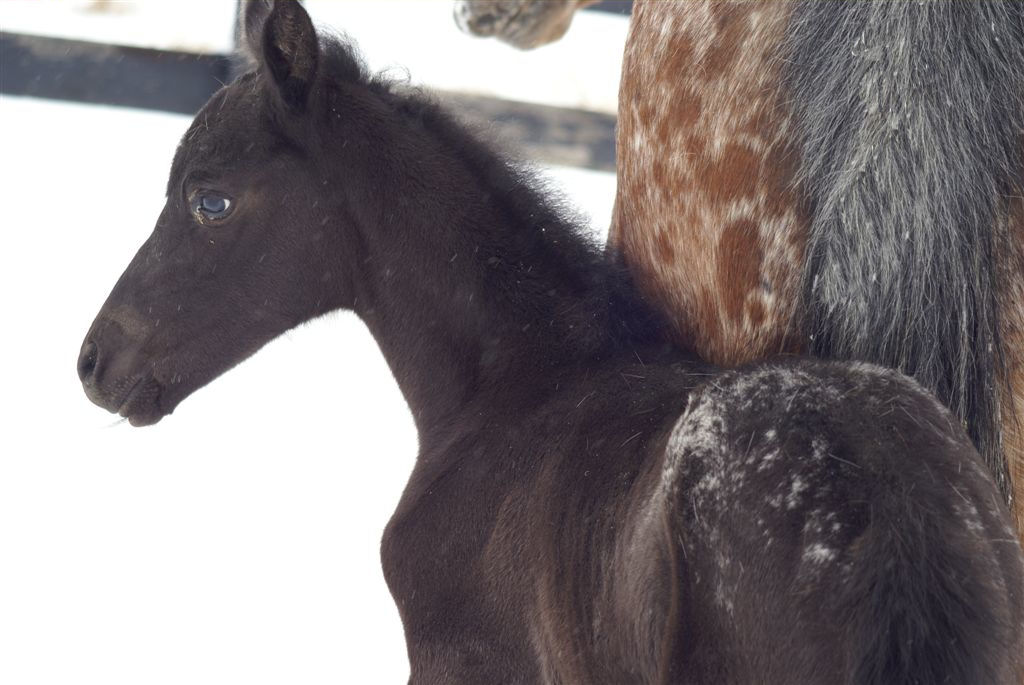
{"x": 210, "y": 206}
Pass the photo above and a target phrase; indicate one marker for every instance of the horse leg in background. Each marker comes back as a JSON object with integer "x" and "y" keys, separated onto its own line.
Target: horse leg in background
{"x": 705, "y": 215}
{"x": 1012, "y": 335}
{"x": 525, "y": 24}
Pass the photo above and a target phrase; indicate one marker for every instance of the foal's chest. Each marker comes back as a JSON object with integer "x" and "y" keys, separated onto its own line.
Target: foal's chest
{"x": 461, "y": 603}
{"x": 502, "y": 534}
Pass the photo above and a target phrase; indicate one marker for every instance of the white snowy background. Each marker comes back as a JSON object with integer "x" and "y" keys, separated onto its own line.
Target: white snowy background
{"x": 236, "y": 541}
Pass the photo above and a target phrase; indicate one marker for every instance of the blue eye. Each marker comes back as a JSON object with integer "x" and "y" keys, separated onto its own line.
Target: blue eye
{"x": 211, "y": 206}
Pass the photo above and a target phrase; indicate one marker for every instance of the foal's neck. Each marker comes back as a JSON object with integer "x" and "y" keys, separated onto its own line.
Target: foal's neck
{"x": 476, "y": 289}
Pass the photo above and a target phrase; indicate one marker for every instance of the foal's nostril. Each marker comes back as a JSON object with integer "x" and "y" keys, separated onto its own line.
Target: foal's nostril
{"x": 87, "y": 360}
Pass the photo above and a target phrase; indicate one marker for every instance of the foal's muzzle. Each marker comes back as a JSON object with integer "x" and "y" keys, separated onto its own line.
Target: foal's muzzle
{"x": 115, "y": 375}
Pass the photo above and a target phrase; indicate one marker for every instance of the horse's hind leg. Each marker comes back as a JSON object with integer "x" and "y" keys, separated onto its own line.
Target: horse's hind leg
{"x": 843, "y": 530}
{"x": 1011, "y": 311}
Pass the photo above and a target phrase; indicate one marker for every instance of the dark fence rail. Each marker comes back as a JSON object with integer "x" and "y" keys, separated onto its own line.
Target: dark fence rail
{"x": 107, "y": 74}
{"x": 612, "y": 6}
{"x": 181, "y": 82}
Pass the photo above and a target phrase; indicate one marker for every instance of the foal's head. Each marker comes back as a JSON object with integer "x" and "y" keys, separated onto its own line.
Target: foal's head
{"x": 241, "y": 250}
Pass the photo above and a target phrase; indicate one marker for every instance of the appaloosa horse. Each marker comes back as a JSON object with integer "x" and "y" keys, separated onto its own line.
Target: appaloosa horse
{"x": 590, "y": 504}
{"x": 838, "y": 178}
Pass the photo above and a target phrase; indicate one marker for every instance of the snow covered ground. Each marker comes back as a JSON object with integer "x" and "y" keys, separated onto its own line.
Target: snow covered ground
{"x": 237, "y": 540}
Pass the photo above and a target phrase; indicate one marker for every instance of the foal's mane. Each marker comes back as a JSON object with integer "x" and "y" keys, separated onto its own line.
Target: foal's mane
{"x": 545, "y": 225}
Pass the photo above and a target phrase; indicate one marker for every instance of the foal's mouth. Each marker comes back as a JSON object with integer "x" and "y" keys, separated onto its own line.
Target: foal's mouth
{"x": 140, "y": 404}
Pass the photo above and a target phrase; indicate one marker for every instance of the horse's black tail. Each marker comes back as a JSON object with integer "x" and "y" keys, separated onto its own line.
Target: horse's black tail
{"x": 909, "y": 117}
{"x": 837, "y": 526}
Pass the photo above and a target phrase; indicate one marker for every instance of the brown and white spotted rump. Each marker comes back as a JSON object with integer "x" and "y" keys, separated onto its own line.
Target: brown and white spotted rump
{"x": 705, "y": 216}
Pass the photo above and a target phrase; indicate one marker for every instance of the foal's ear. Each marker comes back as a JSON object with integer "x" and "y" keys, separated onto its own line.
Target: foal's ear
{"x": 249, "y": 32}
{"x": 281, "y": 36}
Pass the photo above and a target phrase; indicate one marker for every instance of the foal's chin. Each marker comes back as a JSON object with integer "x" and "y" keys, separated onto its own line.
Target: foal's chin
{"x": 141, "y": 403}
{"x": 143, "y": 413}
